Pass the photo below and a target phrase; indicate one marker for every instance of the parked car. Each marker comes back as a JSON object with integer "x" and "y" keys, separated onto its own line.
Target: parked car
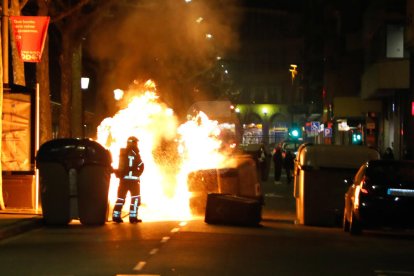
{"x": 381, "y": 195}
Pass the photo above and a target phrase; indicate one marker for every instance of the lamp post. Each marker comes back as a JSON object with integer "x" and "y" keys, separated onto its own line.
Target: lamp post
{"x": 265, "y": 127}
{"x": 293, "y": 70}
{"x": 84, "y": 87}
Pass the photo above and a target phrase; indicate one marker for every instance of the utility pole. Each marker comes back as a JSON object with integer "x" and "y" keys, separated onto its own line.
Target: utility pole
{"x": 2, "y": 42}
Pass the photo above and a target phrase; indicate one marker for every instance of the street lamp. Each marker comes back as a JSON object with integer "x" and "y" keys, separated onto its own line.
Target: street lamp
{"x": 293, "y": 71}
{"x": 199, "y": 20}
{"x": 84, "y": 83}
{"x": 118, "y": 94}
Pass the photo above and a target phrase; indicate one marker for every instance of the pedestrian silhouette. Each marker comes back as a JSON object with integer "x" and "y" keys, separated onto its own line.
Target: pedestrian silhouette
{"x": 262, "y": 158}
{"x": 278, "y": 164}
{"x": 288, "y": 163}
{"x": 388, "y": 154}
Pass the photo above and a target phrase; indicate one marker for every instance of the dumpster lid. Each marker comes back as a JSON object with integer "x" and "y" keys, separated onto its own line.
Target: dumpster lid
{"x": 335, "y": 156}
{"x": 59, "y": 150}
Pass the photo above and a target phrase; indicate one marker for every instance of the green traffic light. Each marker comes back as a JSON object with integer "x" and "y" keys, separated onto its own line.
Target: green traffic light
{"x": 295, "y": 133}
{"x": 356, "y": 138}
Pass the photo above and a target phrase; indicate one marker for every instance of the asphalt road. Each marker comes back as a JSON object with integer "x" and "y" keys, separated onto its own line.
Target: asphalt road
{"x": 277, "y": 247}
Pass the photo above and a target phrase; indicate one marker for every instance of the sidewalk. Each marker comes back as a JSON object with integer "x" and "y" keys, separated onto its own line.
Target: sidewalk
{"x": 15, "y": 221}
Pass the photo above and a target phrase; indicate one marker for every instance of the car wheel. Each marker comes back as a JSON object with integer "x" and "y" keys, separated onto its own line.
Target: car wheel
{"x": 345, "y": 223}
{"x": 355, "y": 225}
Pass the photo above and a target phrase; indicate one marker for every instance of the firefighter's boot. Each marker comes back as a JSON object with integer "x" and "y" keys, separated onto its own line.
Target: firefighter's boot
{"x": 133, "y": 211}
{"x": 116, "y": 215}
{"x": 117, "y": 219}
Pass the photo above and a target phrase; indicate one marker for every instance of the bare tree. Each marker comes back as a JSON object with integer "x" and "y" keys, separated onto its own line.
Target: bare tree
{"x": 17, "y": 64}
{"x": 2, "y": 206}
{"x": 73, "y": 22}
{"x": 18, "y": 72}
{"x": 42, "y": 77}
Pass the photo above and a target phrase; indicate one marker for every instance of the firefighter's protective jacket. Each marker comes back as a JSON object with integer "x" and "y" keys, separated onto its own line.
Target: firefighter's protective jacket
{"x": 130, "y": 164}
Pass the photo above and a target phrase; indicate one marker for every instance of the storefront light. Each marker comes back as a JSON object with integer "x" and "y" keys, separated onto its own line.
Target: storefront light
{"x": 343, "y": 126}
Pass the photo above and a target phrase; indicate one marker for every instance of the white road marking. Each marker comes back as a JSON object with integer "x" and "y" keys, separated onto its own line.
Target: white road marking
{"x": 140, "y": 266}
{"x": 138, "y": 274}
{"x": 154, "y": 251}
{"x": 165, "y": 239}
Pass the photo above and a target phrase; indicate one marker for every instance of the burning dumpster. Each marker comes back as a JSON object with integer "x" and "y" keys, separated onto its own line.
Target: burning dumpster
{"x": 234, "y": 189}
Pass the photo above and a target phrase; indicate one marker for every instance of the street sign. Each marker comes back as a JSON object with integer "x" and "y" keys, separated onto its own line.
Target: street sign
{"x": 315, "y": 126}
{"x": 328, "y": 132}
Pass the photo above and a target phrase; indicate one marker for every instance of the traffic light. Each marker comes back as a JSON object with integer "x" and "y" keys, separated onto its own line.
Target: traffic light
{"x": 357, "y": 138}
{"x": 295, "y": 133}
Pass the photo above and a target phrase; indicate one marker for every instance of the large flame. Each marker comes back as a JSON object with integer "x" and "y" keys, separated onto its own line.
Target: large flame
{"x": 169, "y": 152}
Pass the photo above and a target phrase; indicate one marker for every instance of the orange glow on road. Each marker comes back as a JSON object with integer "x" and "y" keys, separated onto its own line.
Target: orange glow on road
{"x": 169, "y": 152}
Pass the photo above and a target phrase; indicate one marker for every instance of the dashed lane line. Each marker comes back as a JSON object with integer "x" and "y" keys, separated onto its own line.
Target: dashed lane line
{"x": 165, "y": 239}
{"x": 141, "y": 264}
{"x": 138, "y": 275}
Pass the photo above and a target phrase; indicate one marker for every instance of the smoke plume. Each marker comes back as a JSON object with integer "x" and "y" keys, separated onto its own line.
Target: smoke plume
{"x": 169, "y": 41}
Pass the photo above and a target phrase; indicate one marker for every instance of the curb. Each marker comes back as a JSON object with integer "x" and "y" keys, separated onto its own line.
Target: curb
{"x": 20, "y": 227}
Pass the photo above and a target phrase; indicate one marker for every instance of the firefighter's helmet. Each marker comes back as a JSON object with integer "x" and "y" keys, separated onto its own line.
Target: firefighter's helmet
{"x": 132, "y": 140}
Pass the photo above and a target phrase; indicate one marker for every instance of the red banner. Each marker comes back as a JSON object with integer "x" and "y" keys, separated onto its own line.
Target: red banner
{"x": 30, "y": 35}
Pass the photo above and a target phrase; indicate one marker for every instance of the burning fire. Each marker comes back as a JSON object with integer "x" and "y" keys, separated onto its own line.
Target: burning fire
{"x": 169, "y": 151}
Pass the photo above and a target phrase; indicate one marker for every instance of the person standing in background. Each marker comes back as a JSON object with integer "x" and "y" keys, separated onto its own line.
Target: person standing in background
{"x": 278, "y": 164}
{"x": 388, "y": 154}
{"x": 288, "y": 163}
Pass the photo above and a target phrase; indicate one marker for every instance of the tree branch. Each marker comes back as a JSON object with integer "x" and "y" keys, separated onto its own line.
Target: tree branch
{"x": 70, "y": 11}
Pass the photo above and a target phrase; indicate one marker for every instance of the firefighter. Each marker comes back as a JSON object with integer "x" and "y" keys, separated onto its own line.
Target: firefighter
{"x": 129, "y": 171}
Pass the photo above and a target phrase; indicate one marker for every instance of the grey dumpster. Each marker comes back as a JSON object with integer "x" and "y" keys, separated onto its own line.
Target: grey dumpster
{"x": 320, "y": 176}
{"x": 74, "y": 177}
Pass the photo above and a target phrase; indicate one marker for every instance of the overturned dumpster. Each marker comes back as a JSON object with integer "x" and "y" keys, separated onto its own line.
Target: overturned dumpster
{"x": 227, "y": 195}
{"x": 74, "y": 178}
